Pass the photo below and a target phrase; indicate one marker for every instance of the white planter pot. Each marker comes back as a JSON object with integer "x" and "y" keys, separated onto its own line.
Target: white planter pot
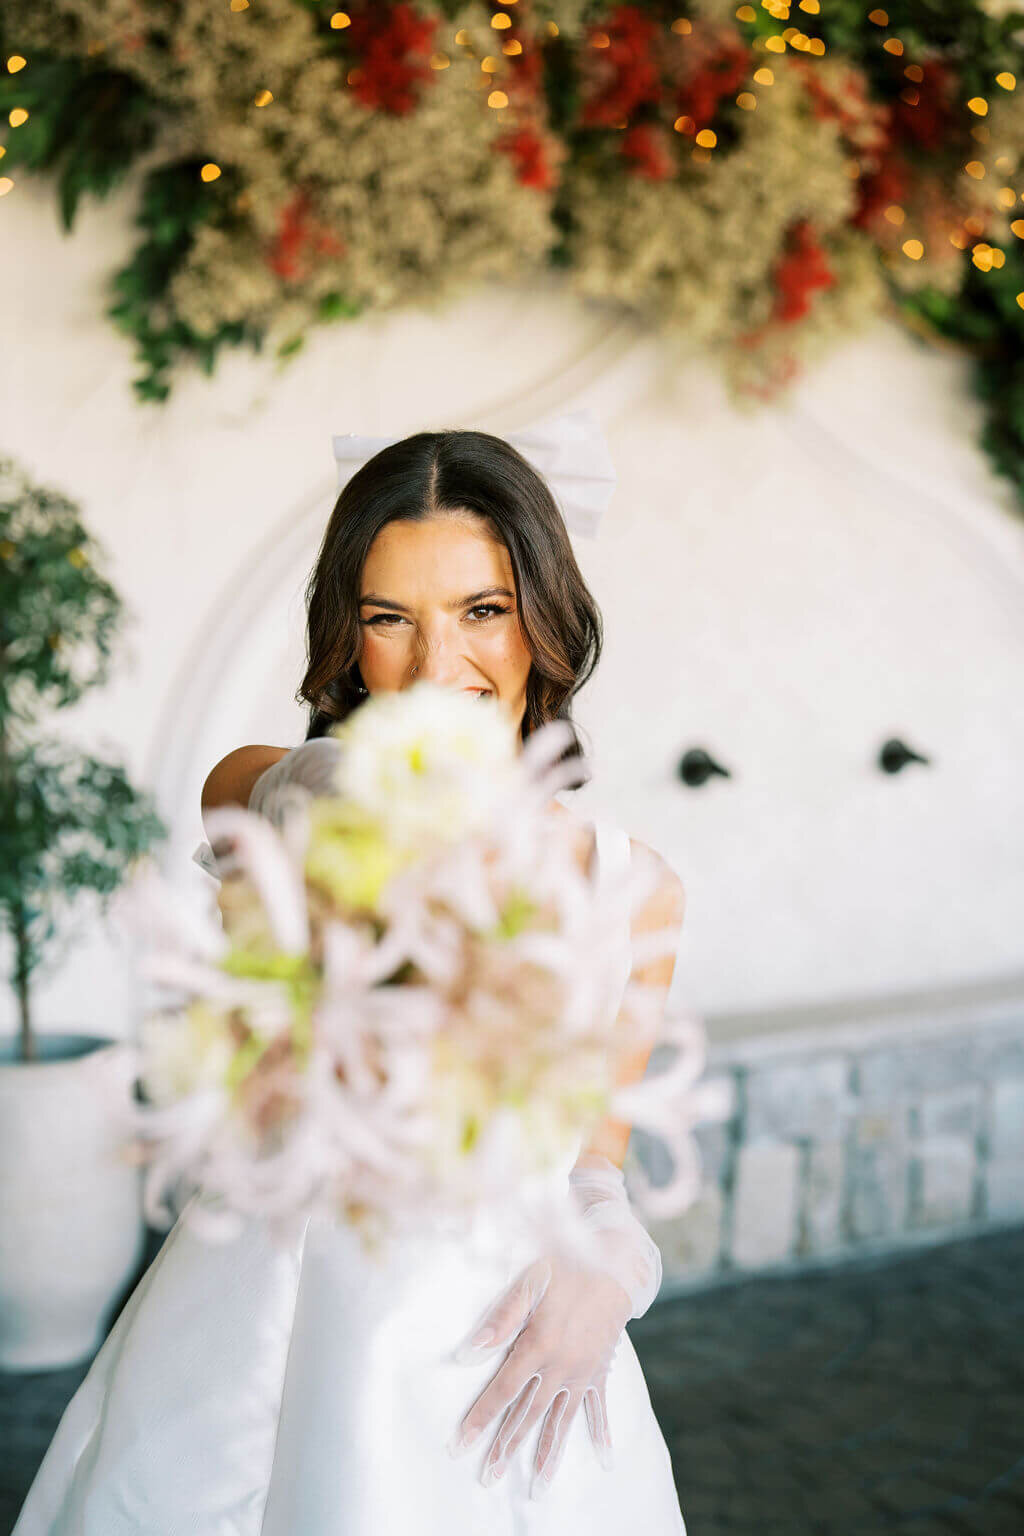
{"x": 72, "y": 1230}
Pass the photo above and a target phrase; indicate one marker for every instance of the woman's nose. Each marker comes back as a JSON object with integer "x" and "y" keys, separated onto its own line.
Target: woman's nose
{"x": 437, "y": 664}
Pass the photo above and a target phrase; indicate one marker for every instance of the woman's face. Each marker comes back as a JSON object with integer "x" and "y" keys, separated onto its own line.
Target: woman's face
{"x": 439, "y": 596}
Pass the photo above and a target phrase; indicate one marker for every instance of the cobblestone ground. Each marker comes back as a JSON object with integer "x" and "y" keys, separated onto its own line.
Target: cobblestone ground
{"x": 886, "y": 1397}
{"x": 881, "y": 1397}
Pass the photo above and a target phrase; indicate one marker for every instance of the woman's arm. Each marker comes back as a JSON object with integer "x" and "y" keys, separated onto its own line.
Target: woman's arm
{"x": 664, "y": 908}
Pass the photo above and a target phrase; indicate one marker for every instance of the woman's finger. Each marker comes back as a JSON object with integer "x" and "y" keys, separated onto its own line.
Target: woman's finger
{"x": 524, "y": 1412}
{"x": 505, "y": 1318}
{"x": 502, "y": 1390}
{"x": 553, "y": 1436}
{"x": 595, "y": 1406}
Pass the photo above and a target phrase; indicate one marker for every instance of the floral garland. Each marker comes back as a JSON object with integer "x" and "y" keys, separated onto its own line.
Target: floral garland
{"x": 757, "y": 180}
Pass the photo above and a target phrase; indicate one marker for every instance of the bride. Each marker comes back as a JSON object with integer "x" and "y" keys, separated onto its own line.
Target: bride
{"x": 248, "y": 1389}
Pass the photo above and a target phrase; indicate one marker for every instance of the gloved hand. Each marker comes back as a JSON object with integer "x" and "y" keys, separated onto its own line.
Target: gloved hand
{"x": 564, "y": 1316}
{"x": 310, "y": 767}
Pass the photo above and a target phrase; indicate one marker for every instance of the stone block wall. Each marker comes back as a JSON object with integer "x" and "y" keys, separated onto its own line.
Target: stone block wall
{"x": 855, "y": 1134}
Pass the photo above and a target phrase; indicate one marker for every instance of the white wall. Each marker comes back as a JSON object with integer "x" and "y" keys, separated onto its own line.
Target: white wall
{"x": 786, "y": 588}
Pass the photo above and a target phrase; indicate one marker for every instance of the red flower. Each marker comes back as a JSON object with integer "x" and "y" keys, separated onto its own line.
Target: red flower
{"x": 721, "y": 73}
{"x": 529, "y": 153}
{"x": 799, "y": 274}
{"x": 297, "y": 235}
{"x": 926, "y": 111}
{"x": 646, "y": 147}
{"x": 624, "y": 74}
{"x": 889, "y": 184}
{"x": 394, "y": 46}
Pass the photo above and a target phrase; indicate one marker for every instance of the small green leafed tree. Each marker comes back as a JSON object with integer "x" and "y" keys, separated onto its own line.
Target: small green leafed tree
{"x": 68, "y": 822}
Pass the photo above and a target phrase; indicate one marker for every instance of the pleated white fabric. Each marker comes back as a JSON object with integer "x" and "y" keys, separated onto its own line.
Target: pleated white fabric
{"x": 251, "y": 1390}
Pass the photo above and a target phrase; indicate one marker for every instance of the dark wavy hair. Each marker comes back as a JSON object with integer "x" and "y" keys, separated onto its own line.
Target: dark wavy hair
{"x": 430, "y": 474}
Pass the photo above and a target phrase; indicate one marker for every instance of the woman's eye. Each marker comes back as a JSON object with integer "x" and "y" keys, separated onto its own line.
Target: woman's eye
{"x": 486, "y": 608}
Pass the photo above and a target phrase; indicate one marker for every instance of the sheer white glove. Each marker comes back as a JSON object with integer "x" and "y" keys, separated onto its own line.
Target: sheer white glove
{"x": 563, "y": 1316}
{"x": 311, "y": 767}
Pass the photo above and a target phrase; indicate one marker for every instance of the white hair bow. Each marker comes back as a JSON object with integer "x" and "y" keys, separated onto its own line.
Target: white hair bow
{"x": 570, "y": 452}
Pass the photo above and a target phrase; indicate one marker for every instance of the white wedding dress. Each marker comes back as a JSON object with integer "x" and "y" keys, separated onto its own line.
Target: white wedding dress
{"x": 250, "y": 1390}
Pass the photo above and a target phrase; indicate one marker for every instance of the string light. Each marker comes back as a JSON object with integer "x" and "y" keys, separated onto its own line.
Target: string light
{"x": 914, "y": 249}
{"x": 1018, "y": 228}
{"x": 553, "y": 29}
{"x": 600, "y": 40}
{"x": 775, "y": 45}
{"x": 489, "y": 65}
{"x": 894, "y": 46}
{"x": 764, "y": 76}
{"x": 978, "y": 105}
{"x": 747, "y": 100}
{"x": 209, "y": 172}
{"x": 684, "y": 124}
{"x": 342, "y": 19}
{"x": 16, "y": 62}
{"x": 17, "y": 116}
{"x": 1007, "y": 197}
{"x": 5, "y": 185}
{"x": 263, "y": 99}
{"x": 1007, "y": 80}
{"x": 500, "y": 20}
{"x": 975, "y": 168}
{"x": 895, "y": 214}
{"x": 914, "y": 72}
{"x": 1020, "y": 300}
{"x": 512, "y": 46}
{"x": 812, "y": 7}
{"x": 239, "y": 5}
{"x": 880, "y": 18}
{"x": 817, "y": 46}
{"x": 707, "y": 138}
{"x": 497, "y": 99}
{"x": 746, "y": 13}
{"x": 682, "y": 26}
{"x": 439, "y": 61}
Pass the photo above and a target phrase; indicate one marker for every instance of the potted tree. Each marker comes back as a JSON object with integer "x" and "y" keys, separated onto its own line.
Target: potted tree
{"x": 71, "y": 1222}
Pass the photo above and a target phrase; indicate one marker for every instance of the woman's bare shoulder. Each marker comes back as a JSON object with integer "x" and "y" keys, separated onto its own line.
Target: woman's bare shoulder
{"x": 230, "y": 780}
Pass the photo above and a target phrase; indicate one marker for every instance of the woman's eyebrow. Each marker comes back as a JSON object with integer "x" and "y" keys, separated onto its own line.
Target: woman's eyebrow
{"x": 456, "y": 602}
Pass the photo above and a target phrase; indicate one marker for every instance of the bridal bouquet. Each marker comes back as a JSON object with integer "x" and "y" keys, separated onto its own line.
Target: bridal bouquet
{"x": 412, "y": 1001}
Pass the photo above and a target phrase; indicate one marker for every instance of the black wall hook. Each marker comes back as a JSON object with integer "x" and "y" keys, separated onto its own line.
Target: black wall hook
{"x": 895, "y": 754}
{"x": 697, "y": 766}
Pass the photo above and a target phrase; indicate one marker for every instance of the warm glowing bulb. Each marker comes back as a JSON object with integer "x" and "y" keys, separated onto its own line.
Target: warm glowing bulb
{"x": 914, "y": 249}
{"x": 880, "y": 18}
{"x": 978, "y": 105}
{"x": 764, "y": 76}
{"x": 263, "y": 99}
{"x": 895, "y": 214}
{"x": 746, "y": 13}
{"x": 499, "y": 21}
{"x": 975, "y": 168}
{"x": 1006, "y": 80}
{"x": 497, "y": 99}
{"x": 16, "y": 62}
{"x": 17, "y": 116}
{"x": 775, "y": 45}
{"x": 747, "y": 100}
{"x": 894, "y": 46}
{"x": 341, "y": 19}
{"x": 1018, "y": 228}
{"x": 682, "y": 26}
{"x": 707, "y": 138}
{"x": 5, "y": 185}
{"x": 209, "y": 172}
